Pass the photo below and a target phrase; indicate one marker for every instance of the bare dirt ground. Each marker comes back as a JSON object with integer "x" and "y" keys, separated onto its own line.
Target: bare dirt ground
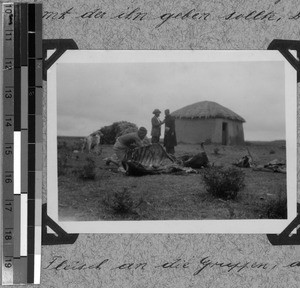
{"x": 167, "y": 197}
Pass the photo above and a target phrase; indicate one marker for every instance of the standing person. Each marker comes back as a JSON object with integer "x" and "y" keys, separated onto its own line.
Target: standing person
{"x": 156, "y": 126}
{"x": 170, "y": 140}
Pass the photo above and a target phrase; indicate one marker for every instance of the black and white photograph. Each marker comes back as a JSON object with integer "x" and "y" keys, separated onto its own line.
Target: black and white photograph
{"x": 172, "y": 141}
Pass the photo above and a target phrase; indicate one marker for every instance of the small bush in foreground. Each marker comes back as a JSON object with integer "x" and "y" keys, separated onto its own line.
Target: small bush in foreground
{"x": 277, "y": 209}
{"x": 121, "y": 203}
{"x": 88, "y": 171}
{"x": 223, "y": 182}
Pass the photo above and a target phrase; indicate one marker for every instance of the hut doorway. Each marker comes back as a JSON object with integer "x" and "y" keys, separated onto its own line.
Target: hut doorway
{"x": 224, "y": 133}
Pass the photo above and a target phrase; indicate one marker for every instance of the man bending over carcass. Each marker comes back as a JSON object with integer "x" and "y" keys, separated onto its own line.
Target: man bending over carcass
{"x": 126, "y": 142}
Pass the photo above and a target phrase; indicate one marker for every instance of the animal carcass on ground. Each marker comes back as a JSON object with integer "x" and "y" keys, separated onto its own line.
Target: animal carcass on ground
{"x": 92, "y": 143}
{"x": 153, "y": 159}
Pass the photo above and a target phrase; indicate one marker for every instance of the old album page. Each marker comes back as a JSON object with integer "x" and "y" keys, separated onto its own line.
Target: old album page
{"x": 170, "y": 144}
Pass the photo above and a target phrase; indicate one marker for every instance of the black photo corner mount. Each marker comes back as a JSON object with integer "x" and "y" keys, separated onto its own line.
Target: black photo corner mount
{"x": 284, "y": 47}
{"x": 60, "y": 46}
{"x": 60, "y": 236}
{"x": 285, "y": 237}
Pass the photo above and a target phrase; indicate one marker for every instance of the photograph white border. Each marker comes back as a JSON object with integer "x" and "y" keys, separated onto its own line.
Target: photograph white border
{"x": 261, "y": 226}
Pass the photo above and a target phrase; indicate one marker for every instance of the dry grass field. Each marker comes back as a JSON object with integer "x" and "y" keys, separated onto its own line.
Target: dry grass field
{"x": 167, "y": 196}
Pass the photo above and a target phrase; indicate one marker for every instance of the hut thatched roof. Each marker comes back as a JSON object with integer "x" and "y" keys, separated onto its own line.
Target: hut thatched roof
{"x": 206, "y": 109}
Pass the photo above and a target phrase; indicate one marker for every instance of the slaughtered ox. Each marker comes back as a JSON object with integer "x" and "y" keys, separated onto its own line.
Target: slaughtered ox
{"x": 92, "y": 143}
{"x": 153, "y": 159}
{"x": 273, "y": 166}
{"x": 197, "y": 161}
{"x": 244, "y": 162}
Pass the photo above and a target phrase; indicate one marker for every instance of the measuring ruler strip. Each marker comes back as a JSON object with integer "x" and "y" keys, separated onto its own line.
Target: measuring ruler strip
{"x": 22, "y": 142}
{"x": 24, "y": 131}
{"x": 38, "y": 130}
{"x": 17, "y": 279}
{"x": 39, "y": 167}
{"x": 20, "y": 248}
{"x": 8, "y": 143}
{"x": 34, "y": 145}
{"x": 17, "y": 111}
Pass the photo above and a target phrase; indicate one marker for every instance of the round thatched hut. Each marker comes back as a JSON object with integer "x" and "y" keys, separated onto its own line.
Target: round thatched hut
{"x": 208, "y": 121}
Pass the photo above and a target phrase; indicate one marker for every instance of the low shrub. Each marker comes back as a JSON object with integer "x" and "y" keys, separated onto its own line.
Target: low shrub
{"x": 88, "y": 171}
{"x": 277, "y": 209}
{"x": 223, "y": 182}
{"x": 121, "y": 203}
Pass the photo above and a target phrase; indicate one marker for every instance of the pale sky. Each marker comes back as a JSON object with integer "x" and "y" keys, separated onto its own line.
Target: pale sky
{"x": 91, "y": 96}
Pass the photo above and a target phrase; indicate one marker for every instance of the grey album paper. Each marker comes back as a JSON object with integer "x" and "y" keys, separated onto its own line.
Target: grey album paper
{"x": 134, "y": 57}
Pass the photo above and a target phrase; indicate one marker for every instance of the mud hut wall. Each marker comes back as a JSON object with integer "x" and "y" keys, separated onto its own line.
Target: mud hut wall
{"x": 196, "y": 130}
{"x": 199, "y": 130}
{"x": 235, "y": 134}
